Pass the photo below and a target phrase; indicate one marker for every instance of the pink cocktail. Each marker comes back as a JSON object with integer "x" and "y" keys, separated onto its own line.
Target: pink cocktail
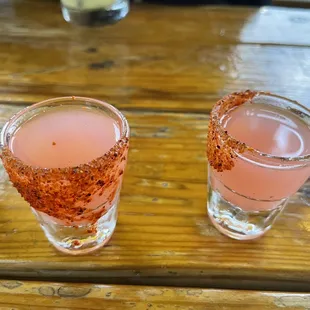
{"x": 258, "y": 151}
{"x": 66, "y": 157}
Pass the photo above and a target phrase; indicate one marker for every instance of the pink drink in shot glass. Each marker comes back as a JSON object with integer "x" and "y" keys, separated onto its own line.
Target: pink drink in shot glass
{"x": 258, "y": 151}
{"x": 66, "y": 157}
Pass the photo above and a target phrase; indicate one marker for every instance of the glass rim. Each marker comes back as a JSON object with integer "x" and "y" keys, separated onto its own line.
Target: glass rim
{"x": 303, "y": 158}
{"x": 124, "y": 128}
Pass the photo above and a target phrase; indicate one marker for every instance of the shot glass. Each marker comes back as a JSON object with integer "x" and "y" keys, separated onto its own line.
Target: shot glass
{"x": 94, "y": 12}
{"x": 76, "y": 205}
{"x": 247, "y": 188}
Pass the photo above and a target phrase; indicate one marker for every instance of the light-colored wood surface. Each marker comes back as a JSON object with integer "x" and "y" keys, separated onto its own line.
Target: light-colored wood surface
{"x": 164, "y": 68}
{"x": 20, "y": 295}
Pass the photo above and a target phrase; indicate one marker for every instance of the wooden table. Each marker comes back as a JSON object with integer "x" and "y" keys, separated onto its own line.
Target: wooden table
{"x": 164, "y": 68}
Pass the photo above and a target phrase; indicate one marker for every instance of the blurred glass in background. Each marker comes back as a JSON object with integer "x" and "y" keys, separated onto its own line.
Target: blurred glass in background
{"x": 94, "y": 12}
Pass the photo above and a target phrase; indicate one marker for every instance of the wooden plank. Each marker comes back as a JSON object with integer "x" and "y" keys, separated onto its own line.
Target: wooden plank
{"x": 46, "y": 295}
{"x": 168, "y": 25}
{"x": 163, "y": 236}
{"x": 161, "y": 78}
{"x": 184, "y": 60}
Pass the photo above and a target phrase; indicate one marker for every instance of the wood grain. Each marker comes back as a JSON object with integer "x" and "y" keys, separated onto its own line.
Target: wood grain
{"x": 163, "y": 236}
{"x": 19, "y": 295}
{"x": 183, "y": 60}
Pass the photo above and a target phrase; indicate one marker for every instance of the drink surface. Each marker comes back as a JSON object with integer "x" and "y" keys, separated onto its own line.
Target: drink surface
{"x": 268, "y": 129}
{"x": 65, "y": 136}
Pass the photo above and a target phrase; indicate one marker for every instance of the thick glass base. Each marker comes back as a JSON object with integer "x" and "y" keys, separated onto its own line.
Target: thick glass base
{"x": 82, "y": 239}
{"x": 236, "y": 223}
{"x": 97, "y": 17}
